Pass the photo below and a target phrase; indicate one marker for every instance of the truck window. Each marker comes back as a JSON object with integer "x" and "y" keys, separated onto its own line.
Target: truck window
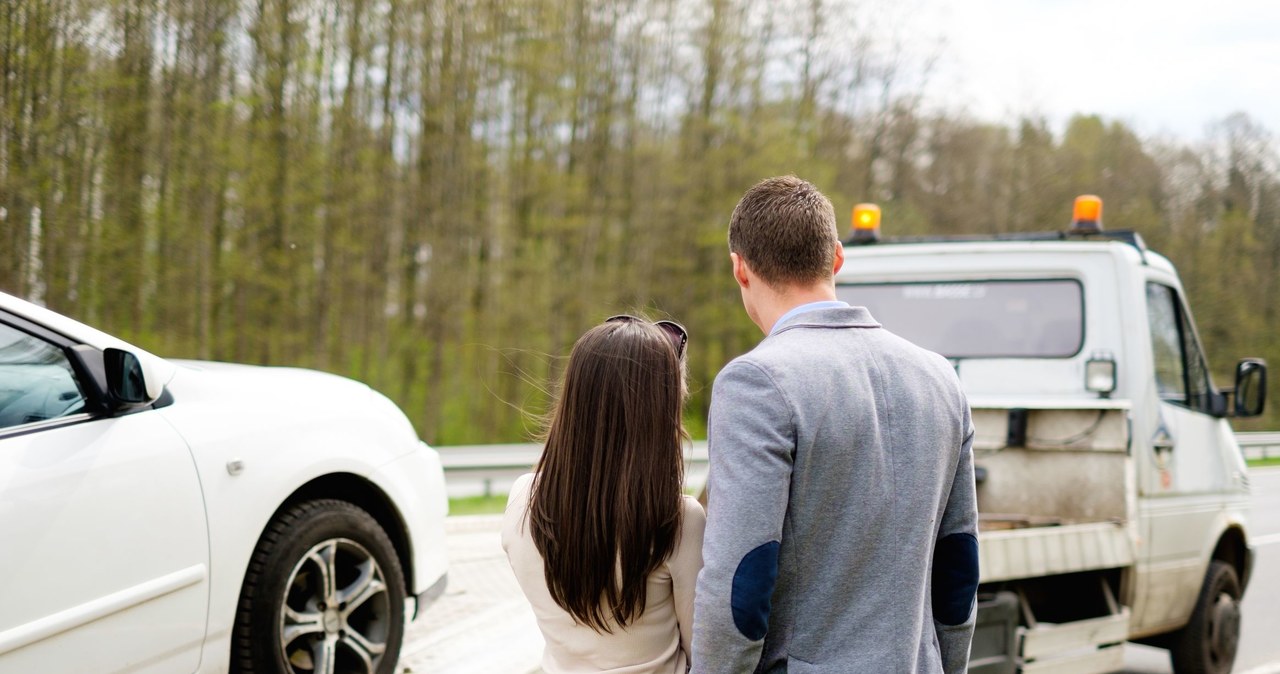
{"x": 1031, "y": 318}
{"x": 1181, "y": 374}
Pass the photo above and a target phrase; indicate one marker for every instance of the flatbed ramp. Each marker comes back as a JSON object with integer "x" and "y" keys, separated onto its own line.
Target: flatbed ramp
{"x": 1012, "y": 553}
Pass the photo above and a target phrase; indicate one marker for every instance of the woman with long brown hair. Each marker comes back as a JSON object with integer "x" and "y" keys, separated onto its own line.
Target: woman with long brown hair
{"x": 601, "y": 538}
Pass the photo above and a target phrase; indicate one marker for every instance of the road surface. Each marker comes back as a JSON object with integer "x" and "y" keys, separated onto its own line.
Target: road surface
{"x": 484, "y": 626}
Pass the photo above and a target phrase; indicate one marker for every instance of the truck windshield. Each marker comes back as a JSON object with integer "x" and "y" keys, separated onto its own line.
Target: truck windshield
{"x": 1041, "y": 318}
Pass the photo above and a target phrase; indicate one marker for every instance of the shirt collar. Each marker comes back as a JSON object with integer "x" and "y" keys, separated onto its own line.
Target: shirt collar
{"x": 805, "y": 308}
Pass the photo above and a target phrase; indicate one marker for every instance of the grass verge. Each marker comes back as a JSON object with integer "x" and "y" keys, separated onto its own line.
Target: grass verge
{"x": 478, "y": 505}
{"x": 1263, "y": 463}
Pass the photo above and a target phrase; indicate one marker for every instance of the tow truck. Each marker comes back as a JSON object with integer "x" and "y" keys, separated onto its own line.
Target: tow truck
{"x": 1112, "y": 495}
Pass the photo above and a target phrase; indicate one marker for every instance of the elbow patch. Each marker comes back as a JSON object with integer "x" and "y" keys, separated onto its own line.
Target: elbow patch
{"x": 955, "y": 578}
{"x": 753, "y": 590}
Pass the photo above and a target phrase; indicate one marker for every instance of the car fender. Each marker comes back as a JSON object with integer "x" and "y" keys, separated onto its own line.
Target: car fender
{"x": 415, "y": 483}
{"x": 252, "y": 452}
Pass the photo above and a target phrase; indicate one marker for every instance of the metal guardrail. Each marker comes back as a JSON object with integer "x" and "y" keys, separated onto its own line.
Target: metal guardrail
{"x": 485, "y": 470}
{"x": 475, "y": 470}
{"x": 461, "y": 458}
{"x": 1264, "y": 445}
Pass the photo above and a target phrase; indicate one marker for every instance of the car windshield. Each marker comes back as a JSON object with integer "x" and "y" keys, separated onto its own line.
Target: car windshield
{"x": 984, "y": 319}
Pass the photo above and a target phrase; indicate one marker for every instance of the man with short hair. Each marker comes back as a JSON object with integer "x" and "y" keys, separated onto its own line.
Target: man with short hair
{"x": 841, "y": 531}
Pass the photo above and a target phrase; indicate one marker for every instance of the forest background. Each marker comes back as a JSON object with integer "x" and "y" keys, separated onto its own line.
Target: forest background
{"x": 437, "y": 197}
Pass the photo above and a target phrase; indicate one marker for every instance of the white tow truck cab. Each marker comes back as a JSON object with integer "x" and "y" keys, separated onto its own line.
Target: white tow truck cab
{"x": 1111, "y": 491}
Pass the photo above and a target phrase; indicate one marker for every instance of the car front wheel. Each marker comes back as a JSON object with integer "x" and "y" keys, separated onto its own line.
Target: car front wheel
{"x": 324, "y": 594}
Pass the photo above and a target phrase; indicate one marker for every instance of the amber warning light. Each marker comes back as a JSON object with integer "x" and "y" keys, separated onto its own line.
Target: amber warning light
{"x": 1087, "y": 214}
{"x": 866, "y": 222}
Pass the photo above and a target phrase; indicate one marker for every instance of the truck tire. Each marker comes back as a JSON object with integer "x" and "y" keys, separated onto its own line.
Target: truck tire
{"x": 324, "y": 594}
{"x": 1208, "y": 644}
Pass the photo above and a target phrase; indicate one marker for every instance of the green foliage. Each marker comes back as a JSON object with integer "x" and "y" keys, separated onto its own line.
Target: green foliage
{"x": 438, "y": 197}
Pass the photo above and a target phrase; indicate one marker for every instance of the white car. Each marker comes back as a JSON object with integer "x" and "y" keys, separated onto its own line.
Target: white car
{"x": 170, "y": 516}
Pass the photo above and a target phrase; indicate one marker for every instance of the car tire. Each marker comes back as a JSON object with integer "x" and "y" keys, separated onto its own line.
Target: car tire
{"x": 324, "y": 594}
{"x": 1210, "y": 640}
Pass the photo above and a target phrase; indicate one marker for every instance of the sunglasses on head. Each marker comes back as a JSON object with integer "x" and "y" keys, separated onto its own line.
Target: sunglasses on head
{"x": 679, "y": 336}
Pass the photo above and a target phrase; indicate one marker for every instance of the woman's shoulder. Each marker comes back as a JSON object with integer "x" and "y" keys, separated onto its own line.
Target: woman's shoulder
{"x": 518, "y": 497}
{"x": 522, "y": 483}
{"x": 694, "y": 517}
{"x": 691, "y": 508}
{"x": 517, "y": 510}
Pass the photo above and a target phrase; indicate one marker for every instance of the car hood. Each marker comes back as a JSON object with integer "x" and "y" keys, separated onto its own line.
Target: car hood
{"x": 251, "y": 370}
{"x": 264, "y": 379}
{"x": 213, "y": 399}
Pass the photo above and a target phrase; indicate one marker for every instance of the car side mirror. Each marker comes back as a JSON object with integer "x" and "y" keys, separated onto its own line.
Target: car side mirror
{"x": 1251, "y": 387}
{"x": 127, "y": 380}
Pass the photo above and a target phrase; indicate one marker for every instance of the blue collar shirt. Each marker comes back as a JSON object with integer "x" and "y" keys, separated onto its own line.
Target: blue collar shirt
{"x": 805, "y": 308}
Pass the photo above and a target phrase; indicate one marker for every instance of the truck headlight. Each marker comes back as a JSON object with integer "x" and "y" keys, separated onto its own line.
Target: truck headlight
{"x": 1100, "y": 374}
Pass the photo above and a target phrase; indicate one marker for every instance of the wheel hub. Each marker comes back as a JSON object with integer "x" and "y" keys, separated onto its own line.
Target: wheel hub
{"x": 332, "y": 621}
{"x": 336, "y": 614}
{"x": 1224, "y": 630}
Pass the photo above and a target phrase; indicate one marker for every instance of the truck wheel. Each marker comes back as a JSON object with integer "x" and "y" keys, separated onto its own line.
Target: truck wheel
{"x": 1207, "y": 645}
{"x": 324, "y": 594}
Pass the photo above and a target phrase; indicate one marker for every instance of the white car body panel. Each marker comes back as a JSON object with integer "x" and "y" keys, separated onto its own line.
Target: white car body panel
{"x": 415, "y": 481}
{"x": 91, "y": 560}
{"x": 167, "y": 494}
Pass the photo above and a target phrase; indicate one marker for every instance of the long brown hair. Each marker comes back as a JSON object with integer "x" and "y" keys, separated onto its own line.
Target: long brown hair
{"x": 605, "y": 508}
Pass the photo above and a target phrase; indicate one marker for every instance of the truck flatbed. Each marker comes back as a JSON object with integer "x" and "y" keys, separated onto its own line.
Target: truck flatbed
{"x": 1011, "y": 552}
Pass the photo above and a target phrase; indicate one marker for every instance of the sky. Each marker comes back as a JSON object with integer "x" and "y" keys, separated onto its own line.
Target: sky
{"x": 1166, "y": 68}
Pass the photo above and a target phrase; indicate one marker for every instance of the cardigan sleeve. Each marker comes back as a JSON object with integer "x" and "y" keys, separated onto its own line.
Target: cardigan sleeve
{"x": 685, "y": 563}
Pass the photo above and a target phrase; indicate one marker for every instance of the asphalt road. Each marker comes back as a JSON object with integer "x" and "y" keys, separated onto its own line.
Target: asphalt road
{"x": 484, "y": 626}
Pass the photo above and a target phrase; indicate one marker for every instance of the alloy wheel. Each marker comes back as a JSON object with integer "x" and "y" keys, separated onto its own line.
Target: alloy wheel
{"x": 336, "y": 614}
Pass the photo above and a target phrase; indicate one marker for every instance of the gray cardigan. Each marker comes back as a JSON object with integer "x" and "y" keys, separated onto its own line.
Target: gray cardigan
{"x": 842, "y": 521}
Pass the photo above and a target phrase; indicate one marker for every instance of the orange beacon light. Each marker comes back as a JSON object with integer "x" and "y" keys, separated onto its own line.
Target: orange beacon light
{"x": 866, "y": 223}
{"x": 1086, "y": 215}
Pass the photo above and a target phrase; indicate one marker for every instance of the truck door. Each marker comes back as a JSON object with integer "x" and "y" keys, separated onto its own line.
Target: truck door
{"x": 1184, "y": 474}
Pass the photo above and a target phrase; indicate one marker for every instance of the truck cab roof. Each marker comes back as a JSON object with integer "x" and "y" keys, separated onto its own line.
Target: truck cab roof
{"x": 961, "y": 254}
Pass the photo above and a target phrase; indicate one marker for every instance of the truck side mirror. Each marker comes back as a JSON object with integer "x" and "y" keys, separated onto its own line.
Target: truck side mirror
{"x": 1217, "y": 404}
{"x": 1251, "y": 387}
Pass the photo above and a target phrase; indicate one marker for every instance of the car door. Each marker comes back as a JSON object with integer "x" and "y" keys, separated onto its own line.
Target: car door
{"x": 1183, "y": 487}
{"x": 103, "y": 543}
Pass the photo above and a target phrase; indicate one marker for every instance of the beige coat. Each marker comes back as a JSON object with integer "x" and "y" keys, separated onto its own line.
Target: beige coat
{"x": 657, "y": 643}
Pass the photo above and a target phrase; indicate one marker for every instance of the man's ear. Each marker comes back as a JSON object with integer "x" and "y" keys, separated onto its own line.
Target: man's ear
{"x": 740, "y": 273}
{"x": 839, "y": 258}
